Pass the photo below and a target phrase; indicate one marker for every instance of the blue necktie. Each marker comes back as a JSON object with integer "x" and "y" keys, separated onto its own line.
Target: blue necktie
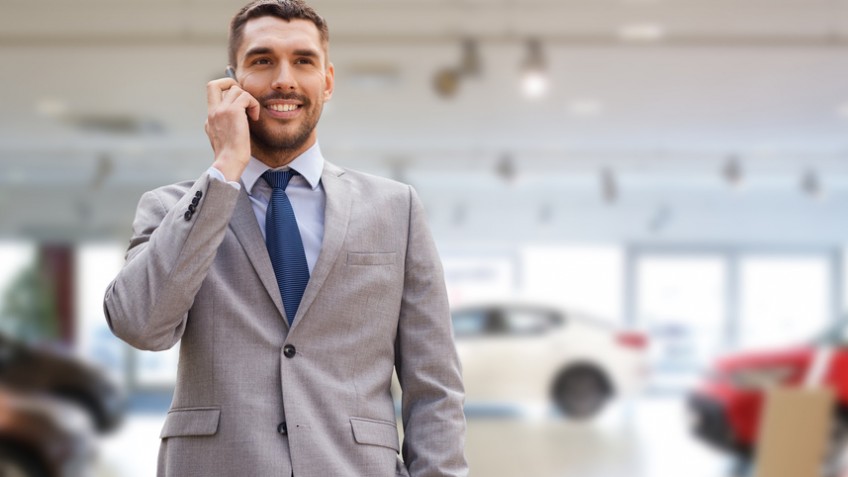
{"x": 285, "y": 247}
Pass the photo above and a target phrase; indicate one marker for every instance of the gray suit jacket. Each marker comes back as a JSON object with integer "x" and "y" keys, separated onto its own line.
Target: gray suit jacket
{"x": 257, "y": 398}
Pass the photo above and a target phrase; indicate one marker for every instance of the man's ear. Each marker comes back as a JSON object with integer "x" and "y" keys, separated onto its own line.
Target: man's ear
{"x": 329, "y": 82}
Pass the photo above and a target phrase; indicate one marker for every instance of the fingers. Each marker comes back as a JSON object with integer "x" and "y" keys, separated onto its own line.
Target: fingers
{"x": 226, "y": 92}
{"x": 215, "y": 90}
{"x": 253, "y": 107}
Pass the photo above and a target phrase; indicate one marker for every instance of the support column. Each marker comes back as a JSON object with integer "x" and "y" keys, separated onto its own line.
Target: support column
{"x": 58, "y": 267}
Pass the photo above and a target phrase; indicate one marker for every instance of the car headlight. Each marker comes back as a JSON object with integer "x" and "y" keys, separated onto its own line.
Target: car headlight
{"x": 760, "y": 378}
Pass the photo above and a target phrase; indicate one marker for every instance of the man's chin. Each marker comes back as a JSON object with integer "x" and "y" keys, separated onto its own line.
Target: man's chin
{"x": 279, "y": 143}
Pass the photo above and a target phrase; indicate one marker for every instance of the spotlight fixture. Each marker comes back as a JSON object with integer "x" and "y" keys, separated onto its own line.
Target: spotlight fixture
{"x": 732, "y": 172}
{"x": 534, "y": 72}
{"x": 105, "y": 167}
{"x": 470, "y": 65}
{"x": 505, "y": 168}
{"x": 446, "y": 82}
{"x": 811, "y": 185}
{"x": 609, "y": 186}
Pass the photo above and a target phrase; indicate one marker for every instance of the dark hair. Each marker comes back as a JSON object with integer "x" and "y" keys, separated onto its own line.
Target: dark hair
{"x": 283, "y": 9}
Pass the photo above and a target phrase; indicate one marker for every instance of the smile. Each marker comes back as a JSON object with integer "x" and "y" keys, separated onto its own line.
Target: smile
{"x": 283, "y": 107}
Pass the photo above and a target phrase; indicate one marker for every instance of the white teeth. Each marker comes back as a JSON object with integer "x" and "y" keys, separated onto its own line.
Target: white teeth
{"x": 283, "y": 107}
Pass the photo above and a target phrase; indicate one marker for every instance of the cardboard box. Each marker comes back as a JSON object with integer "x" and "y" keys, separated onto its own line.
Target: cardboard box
{"x": 794, "y": 432}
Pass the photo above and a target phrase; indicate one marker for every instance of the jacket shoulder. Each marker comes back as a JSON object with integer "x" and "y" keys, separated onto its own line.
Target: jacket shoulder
{"x": 372, "y": 183}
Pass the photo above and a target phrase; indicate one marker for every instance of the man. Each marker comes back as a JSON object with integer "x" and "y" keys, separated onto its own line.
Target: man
{"x": 283, "y": 370}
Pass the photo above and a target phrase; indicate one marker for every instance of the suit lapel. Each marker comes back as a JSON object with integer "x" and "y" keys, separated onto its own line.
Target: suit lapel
{"x": 336, "y": 216}
{"x": 247, "y": 231}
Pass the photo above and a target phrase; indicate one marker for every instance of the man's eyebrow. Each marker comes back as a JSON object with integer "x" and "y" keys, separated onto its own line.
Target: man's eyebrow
{"x": 257, "y": 50}
{"x": 305, "y": 52}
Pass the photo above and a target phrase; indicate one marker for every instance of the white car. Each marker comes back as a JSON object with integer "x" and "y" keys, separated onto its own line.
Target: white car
{"x": 517, "y": 352}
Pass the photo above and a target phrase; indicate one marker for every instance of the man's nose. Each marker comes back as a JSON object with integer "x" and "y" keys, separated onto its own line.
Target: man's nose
{"x": 283, "y": 78}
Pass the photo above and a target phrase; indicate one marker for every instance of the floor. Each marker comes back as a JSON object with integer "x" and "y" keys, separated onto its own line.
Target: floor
{"x": 642, "y": 438}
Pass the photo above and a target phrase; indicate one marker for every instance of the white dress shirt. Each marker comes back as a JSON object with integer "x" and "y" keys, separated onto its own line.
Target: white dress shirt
{"x": 304, "y": 191}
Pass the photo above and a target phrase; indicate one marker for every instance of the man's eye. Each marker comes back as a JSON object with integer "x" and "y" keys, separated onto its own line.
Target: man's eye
{"x": 262, "y": 61}
{"x": 303, "y": 61}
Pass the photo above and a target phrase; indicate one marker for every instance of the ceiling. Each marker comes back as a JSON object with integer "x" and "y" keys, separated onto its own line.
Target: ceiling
{"x": 105, "y": 99}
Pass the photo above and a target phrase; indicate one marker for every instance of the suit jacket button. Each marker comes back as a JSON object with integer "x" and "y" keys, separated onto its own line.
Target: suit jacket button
{"x": 188, "y": 215}
{"x": 192, "y": 208}
{"x": 283, "y": 429}
{"x": 289, "y": 351}
{"x": 195, "y": 201}
{"x": 198, "y": 194}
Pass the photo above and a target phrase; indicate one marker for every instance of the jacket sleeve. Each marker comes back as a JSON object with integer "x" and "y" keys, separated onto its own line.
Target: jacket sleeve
{"x": 426, "y": 362}
{"x": 171, "y": 250}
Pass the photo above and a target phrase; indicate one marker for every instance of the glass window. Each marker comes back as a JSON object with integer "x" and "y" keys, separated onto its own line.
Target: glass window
{"x": 477, "y": 278}
{"x": 471, "y": 322}
{"x": 522, "y": 321}
{"x": 15, "y": 257}
{"x": 97, "y": 265}
{"x": 784, "y": 299}
{"x": 681, "y": 302}
{"x": 577, "y": 277}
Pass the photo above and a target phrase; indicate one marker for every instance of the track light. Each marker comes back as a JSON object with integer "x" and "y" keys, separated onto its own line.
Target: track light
{"x": 732, "y": 172}
{"x": 534, "y": 72}
{"x": 609, "y": 186}
{"x": 470, "y": 64}
{"x": 811, "y": 185}
{"x": 506, "y": 169}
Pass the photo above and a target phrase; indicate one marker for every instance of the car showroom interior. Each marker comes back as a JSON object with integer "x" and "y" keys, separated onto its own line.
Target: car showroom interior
{"x": 641, "y": 209}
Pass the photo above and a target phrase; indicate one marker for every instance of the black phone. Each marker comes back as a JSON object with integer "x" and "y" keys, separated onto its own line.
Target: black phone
{"x": 231, "y": 73}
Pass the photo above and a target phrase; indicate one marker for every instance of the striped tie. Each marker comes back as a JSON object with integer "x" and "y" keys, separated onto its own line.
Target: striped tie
{"x": 285, "y": 247}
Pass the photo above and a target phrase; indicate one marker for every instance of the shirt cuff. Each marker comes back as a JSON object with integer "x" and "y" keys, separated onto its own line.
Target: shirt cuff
{"x": 218, "y": 175}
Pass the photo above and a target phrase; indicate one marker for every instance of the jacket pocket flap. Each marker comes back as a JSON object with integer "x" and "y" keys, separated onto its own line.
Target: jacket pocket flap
{"x": 194, "y": 421}
{"x": 371, "y": 258}
{"x": 378, "y": 433}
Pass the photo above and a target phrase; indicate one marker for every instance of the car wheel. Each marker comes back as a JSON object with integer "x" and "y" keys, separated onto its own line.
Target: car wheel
{"x": 581, "y": 391}
{"x": 15, "y": 463}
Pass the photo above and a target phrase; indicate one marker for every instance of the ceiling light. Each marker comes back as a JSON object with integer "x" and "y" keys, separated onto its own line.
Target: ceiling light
{"x": 609, "y": 186}
{"x": 661, "y": 218}
{"x": 731, "y": 172}
{"x": 641, "y": 32}
{"x": 811, "y": 185}
{"x": 105, "y": 167}
{"x": 446, "y": 82}
{"x": 534, "y": 71}
{"x": 506, "y": 169}
{"x": 470, "y": 64}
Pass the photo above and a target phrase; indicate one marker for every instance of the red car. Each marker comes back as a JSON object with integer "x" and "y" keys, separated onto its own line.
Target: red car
{"x": 725, "y": 409}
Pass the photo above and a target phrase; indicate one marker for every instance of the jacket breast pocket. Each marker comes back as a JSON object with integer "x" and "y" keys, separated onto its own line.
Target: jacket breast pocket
{"x": 191, "y": 421}
{"x": 371, "y": 258}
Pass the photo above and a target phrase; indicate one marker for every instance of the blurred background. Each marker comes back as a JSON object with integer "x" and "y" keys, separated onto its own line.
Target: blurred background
{"x": 621, "y": 190}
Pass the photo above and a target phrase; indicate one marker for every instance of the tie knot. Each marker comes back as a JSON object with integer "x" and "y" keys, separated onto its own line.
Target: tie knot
{"x": 278, "y": 179}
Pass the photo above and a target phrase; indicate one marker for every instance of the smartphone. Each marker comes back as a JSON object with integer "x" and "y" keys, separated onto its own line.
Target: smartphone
{"x": 231, "y": 73}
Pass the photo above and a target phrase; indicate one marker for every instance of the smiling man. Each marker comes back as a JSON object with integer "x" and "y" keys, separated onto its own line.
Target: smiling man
{"x": 294, "y": 286}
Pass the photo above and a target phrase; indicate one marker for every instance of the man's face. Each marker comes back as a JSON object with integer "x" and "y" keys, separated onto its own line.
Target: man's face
{"x": 284, "y": 66}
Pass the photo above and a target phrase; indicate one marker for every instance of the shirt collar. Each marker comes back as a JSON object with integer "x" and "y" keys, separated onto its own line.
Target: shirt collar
{"x": 310, "y": 164}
